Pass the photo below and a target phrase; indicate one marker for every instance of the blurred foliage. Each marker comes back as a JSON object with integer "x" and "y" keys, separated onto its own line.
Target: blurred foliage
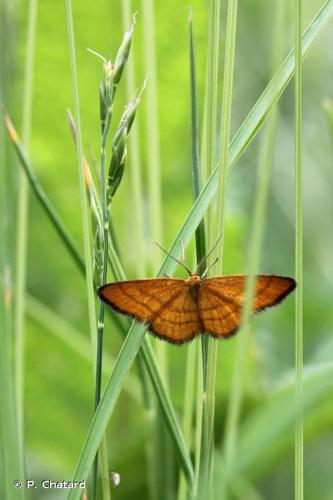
{"x": 59, "y": 389}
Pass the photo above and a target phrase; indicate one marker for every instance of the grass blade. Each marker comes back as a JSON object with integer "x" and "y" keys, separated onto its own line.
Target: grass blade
{"x": 84, "y": 204}
{"x": 12, "y": 461}
{"x": 22, "y": 223}
{"x": 80, "y": 162}
{"x": 200, "y": 245}
{"x": 163, "y": 459}
{"x": 218, "y": 218}
{"x": 298, "y": 255}
{"x": 134, "y": 159}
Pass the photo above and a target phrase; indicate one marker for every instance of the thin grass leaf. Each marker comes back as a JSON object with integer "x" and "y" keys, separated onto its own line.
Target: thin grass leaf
{"x": 216, "y": 220}
{"x": 135, "y": 162}
{"x": 12, "y": 466}
{"x": 84, "y": 208}
{"x": 298, "y": 255}
{"x": 22, "y": 224}
{"x": 163, "y": 459}
{"x": 188, "y": 406}
{"x": 200, "y": 240}
{"x": 152, "y": 132}
{"x": 209, "y": 160}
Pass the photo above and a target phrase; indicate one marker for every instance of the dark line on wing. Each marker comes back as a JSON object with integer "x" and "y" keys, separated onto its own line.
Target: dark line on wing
{"x": 221, "y": 318}
{"x": 221, "y": 296}
{"x": 142, "y": 304}
{"x": 175, "y": 322}
{"x": 165, "y": 304}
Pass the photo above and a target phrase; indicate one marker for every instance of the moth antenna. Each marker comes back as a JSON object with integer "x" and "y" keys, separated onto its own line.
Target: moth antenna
{"x": 208, "y": 267}
{"x": 175, "y": 259}
{"x": 209, "y": 253}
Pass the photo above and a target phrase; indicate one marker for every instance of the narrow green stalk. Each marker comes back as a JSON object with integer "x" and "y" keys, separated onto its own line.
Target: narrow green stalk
{"x": 209, "y": 389}
{"x": 189, "y": 392}
{"x": 226, "y": 119}
{"x": 193, "y": 358}
{"x": 209, "y": 153}
{"x": 263, "y": 177}
{"x": 198, "y": 419}
{"x": 209, "y": 156}
{"x": 134, "y": 162}
{"x": 196, "y": 170}
{"x": 84, "y": 205}
{"x": 105, "y": 223}
{"x": 298, "y": 254}
{"x": 163, "y": 458}
{"x": 11, "y": 463}
{"x": 22, "y": 222}
{"x": 13, "y": 466}
{"x": 100, "y": 324}
{"x": 153, "y": 141}
{"x": 135, "y": 173}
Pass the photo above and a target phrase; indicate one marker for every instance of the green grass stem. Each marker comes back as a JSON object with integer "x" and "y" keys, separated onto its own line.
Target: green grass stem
{"x": 217, "y": 220}
{"x": 135, "y": 162}
{"x": 153, "y": 140}
{"x": 22, "y": 224}
{"x": 209, "y": 152}
{"x": 84, "y": 209}
{"x": 11, "y": 463}
{"x": 163, "y": 459}
{"x": 200, "y": 240}
{"x": 209, "y": 157}
{"x": 193, "y": 358}
{"x": 198, "y": 419}
{"x": 188, "y": 410}
{"x": 80, "y": 157}
{"x": 298, "y": 254}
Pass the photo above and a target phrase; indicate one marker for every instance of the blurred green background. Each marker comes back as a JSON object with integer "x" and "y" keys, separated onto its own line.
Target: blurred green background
{"x": 59, "y": 385}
